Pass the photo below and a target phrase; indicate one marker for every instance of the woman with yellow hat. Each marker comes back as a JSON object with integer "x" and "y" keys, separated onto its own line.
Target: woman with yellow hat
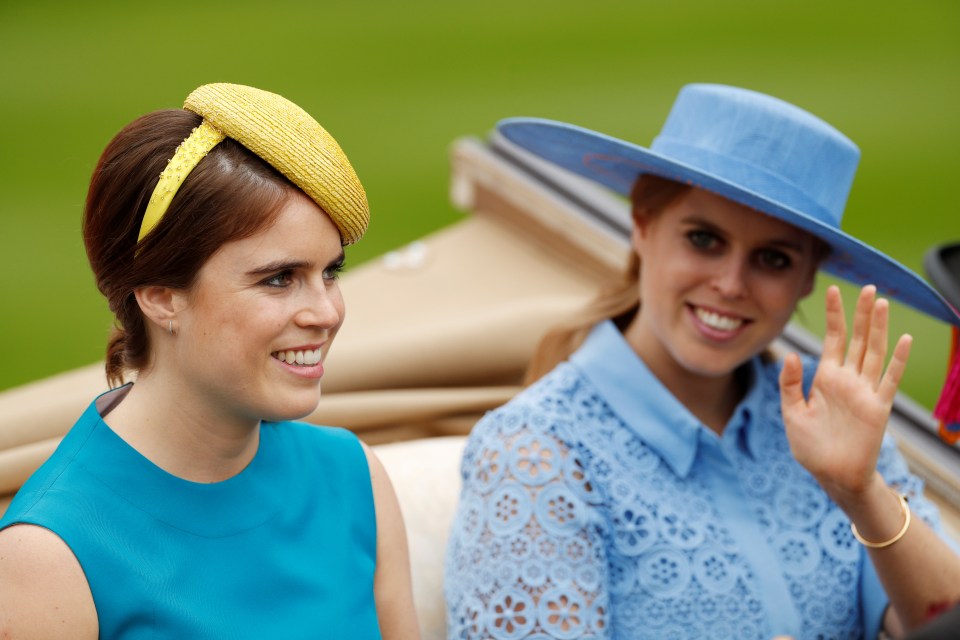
{"x": 188, "y": 504}
{"x": 668, "y": 476}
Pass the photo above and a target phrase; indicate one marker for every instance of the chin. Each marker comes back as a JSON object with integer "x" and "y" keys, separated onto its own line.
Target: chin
{"x": 293, "y": 408}
{"x": 714, "y": 365}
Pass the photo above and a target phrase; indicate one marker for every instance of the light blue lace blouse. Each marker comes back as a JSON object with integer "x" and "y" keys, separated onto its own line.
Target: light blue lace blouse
{"x": 594, "y": 505}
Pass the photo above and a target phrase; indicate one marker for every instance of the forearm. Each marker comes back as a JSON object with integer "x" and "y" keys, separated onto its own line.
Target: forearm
{"x": 919, "y": 571}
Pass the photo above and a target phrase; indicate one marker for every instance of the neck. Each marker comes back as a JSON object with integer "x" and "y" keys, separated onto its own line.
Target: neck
{"x": 711, "y": 399}
{"x": 171, "y": 427}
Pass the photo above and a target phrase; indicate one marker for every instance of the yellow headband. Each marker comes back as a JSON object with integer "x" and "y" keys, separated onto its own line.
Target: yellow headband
{"x": 190, "y": 152}
{"x": 280, "y": 133}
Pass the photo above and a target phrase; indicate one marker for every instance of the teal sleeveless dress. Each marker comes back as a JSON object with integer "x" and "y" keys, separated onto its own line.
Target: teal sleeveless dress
{"x": 285, "y": 549}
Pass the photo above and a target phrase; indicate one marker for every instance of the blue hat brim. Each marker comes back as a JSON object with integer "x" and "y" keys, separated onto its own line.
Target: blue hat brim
{"x": 617, "y": 164}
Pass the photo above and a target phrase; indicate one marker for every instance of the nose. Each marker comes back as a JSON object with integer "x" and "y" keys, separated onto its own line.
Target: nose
{"x": 321, "y": 307}
{"x": 729, "y": 280}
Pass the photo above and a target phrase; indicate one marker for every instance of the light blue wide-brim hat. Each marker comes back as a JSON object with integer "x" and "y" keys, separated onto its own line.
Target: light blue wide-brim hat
{"x": 750, "y": 148}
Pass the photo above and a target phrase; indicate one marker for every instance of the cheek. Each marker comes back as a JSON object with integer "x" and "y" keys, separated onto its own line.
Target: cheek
{"x": 242, "y": 321}
{"x": 672, "y": 274}
{"x": 336, "y": 299}
{"x": 780, "y": 297}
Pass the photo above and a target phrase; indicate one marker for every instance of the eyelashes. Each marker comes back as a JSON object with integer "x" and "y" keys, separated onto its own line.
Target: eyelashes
{"x": 701, "y": 239}
{"x": 774, "y": 260}
{"x": 334, "y": 271}
{"x": 279, "y": 280}
{"x": 284, "y": 277}
{"x": 768, "y": 258}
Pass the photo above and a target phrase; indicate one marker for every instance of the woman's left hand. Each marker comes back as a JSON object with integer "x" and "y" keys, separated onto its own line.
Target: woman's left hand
{"x": 836, "y": 433}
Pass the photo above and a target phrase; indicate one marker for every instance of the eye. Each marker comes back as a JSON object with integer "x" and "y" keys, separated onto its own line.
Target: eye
{"x": 773, "y": 260}
{"x": 280, "y": 280}
{"x": 334, "y": 270}
{"x": 704, "y": 240}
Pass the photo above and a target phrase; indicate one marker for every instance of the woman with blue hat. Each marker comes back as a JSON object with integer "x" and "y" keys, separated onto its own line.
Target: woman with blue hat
{"x": 667, "y": 476}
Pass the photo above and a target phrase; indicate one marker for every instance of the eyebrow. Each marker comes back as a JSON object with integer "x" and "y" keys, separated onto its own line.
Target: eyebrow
{"x": 277, "y": 266}
{"x": 784, "y": 243}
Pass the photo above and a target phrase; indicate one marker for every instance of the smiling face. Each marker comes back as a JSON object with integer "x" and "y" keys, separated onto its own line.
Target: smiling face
{"x": 253, "y": 330}
{"x": 719, "y": 282}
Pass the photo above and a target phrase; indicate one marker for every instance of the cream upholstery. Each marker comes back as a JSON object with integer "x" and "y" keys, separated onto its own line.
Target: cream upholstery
{"x": 426, "y": 476}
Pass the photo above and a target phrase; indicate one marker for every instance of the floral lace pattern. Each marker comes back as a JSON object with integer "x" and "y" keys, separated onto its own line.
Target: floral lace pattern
{"x": 571, "y": 525}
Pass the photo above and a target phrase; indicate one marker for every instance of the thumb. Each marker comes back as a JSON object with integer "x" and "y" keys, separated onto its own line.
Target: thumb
{"x": 791, "y": 383}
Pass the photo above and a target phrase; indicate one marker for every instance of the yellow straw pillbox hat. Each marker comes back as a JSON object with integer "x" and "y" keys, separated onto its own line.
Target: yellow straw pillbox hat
{"x": 283, "y": 135}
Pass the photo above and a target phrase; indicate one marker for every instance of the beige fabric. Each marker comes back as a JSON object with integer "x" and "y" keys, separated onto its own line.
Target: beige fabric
{"x": 426, "y": 477}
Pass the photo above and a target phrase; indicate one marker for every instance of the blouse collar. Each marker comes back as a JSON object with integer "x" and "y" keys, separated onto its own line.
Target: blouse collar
{"x": 649, "y": 409}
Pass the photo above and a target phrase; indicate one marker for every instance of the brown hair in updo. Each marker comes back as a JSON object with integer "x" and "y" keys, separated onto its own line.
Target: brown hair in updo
{"x": 231, "y": 194}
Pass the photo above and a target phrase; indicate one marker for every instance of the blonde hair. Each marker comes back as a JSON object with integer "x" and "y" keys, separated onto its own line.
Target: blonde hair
{"x": 650, "y": 195}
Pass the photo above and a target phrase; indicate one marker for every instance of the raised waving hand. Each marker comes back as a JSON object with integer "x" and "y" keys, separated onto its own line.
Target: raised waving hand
{"x": 836, "y": 432}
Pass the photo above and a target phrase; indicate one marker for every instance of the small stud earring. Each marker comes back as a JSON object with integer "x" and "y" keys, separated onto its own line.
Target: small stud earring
{"x": 170, "y": 327}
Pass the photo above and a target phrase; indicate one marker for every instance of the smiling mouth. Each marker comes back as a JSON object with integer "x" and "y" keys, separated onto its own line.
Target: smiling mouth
{"x": 306, "y": 358}
{"x": 717, "y": 321}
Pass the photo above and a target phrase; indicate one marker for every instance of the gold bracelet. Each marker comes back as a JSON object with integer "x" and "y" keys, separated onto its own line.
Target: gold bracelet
{"x": 900, "y": 534}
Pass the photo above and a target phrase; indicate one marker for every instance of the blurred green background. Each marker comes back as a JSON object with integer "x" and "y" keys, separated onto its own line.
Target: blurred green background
{"x": 397, "y": 82}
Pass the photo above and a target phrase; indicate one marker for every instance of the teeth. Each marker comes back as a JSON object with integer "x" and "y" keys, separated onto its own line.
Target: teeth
{"x": 308, "y": 358}
{"x": 717, "y": 321}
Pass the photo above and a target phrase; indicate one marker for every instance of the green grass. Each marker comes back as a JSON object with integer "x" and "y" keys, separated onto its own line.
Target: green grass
{"x": 396, "y": 83}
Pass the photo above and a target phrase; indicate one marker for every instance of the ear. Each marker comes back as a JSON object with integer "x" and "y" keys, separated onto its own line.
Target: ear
{"x": 159, "y": 305}
{"x": 809, "y": 285}
{"x": 639, "y": 232}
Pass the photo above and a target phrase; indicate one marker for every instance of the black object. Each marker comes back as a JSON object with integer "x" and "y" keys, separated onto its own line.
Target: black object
{"x": 946, "y": 626}
{"x": 942, "y": 264}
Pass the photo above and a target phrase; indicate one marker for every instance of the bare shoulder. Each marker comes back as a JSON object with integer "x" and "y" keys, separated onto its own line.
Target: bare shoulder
{"x": 389, "y": 518}
{"x": 43, "y": 590}
{"x": 378, "y": 474}
{"x": 392, "y": 587}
